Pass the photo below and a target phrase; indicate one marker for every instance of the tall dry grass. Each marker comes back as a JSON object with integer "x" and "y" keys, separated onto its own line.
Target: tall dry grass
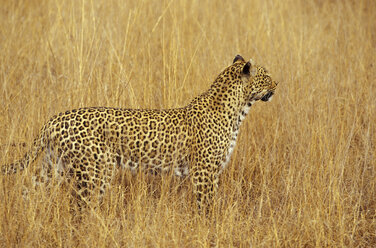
{"x": 303, "y": 173}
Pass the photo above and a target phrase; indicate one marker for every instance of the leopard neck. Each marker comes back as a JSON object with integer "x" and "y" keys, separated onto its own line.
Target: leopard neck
{"x": 225, "y": 100}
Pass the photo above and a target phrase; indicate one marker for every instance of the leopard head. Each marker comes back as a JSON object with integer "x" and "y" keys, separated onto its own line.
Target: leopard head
{"x": 258, "y": 84}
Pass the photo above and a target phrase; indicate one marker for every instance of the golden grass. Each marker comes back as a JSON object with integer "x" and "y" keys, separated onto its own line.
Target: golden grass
{"x": 303, "y": 173}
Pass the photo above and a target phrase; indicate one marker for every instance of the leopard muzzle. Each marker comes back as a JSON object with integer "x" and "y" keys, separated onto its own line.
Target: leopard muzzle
{"x": 268, "y": 96}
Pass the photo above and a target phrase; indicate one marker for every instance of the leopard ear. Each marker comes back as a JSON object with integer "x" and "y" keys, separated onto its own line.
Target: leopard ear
{"x": 238, "y": 58}
{"x": 246, "y": 68}
{"x": 249, "y": 69}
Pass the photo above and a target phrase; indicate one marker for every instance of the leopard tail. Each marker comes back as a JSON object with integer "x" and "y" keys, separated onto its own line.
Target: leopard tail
{"x": 36, "y": 149}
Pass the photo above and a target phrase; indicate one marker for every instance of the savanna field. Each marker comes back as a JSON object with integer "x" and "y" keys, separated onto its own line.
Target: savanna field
{"x": 303, "y": 173}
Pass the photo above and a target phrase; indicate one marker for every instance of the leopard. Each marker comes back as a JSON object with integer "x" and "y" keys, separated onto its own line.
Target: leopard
{"x": 88, "y": 145}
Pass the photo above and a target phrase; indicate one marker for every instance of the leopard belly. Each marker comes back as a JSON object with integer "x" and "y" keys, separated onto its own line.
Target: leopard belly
{"x": 161, "y": 163}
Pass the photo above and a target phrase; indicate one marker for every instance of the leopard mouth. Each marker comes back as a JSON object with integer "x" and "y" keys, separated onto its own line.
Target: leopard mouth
{"x": 267, "y": 97}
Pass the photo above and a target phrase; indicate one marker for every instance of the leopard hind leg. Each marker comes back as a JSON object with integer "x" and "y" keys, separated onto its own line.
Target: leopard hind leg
{"x": 91, "y": 176}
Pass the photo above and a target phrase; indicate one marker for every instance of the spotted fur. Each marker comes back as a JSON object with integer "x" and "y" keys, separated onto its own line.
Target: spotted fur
{"x": 90, "y": 144}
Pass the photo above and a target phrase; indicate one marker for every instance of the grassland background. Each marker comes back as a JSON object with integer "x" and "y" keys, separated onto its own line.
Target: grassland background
{"x": 303, "y": 173}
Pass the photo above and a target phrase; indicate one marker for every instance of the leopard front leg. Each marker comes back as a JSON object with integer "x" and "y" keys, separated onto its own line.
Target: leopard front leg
{"x": 205, "y": 184}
